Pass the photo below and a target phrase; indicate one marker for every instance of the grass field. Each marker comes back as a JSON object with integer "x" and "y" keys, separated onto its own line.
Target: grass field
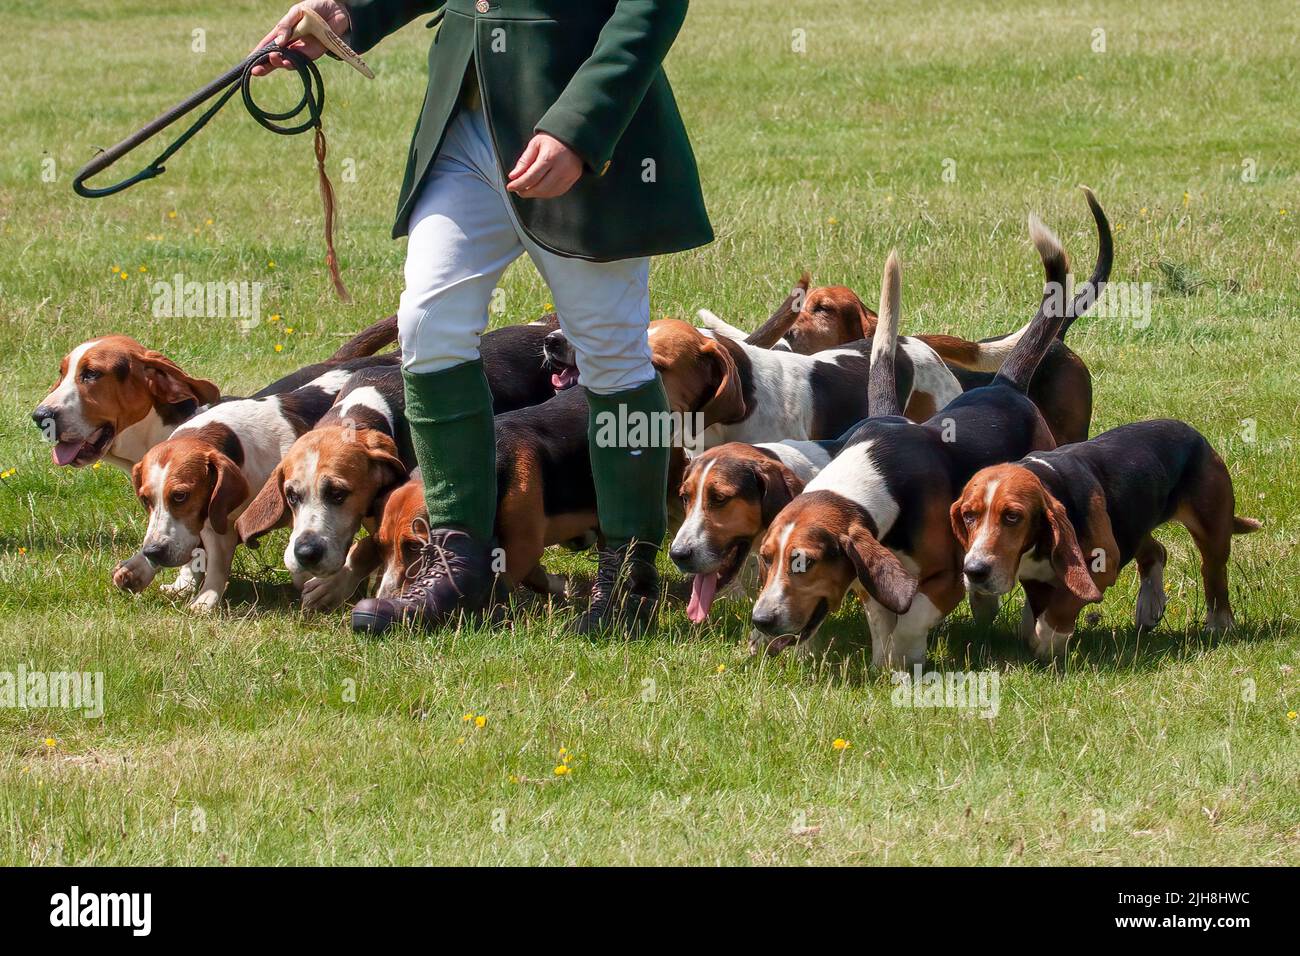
{"x": 261, "y": 736}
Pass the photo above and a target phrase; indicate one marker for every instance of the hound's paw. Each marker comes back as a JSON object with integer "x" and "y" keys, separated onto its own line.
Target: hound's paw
{"x": 327, "y": 593}
{"x": 1217, "y": 622}
{"x": 1150, "y": 607}
{"x": 205, "y": 603}
{"x": 133, "y": 574}
{"x": 185, "y": 583}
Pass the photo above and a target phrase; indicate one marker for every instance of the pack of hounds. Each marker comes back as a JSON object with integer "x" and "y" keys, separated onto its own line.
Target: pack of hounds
{"x": 836, "y": 456}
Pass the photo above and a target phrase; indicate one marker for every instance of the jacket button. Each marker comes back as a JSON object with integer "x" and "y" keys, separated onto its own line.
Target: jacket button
{"x": 481, "y": 6}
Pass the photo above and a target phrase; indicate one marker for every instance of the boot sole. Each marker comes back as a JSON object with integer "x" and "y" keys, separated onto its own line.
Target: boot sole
{"x": 367, "y": 622}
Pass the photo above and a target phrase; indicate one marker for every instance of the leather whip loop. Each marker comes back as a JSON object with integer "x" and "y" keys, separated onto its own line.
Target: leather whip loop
{"x": 286, "y": 123}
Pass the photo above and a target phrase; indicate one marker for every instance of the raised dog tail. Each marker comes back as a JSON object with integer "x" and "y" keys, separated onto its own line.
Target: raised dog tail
{"x": 770, "y": 332}
{"x": 1242, "y": 525}
{"x": 989, "y": 354}
{"x": 1086, "y": 297}
{"x": 1019, "y": 366}
{"x": 368, "y": 341}
{"x": 882, "y": 389}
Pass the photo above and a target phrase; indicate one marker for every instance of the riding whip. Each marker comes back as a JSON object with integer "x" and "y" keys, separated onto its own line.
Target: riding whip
{"x": 239, "y": 79}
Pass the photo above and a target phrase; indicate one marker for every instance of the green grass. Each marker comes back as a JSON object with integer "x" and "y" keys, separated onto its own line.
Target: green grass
{"x": 231, "y": 739}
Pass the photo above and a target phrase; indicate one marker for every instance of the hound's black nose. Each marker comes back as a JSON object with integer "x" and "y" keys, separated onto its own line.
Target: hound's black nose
{"x": 977, "y": 571}
{"x": 309, "y": 549}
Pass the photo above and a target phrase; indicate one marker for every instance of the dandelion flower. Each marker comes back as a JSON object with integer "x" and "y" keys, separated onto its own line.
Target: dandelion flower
{"x": 270, "y": 263}
{"x": 207, "y": 222}
{"x": 832, "y": 221}
{"x": 839, "y": 743}
{"x": 50, "y": 741}
{"x": 466, "y": 718}
{"x": 480, "y": 721}
{"x": 561, "y": 770}
{"x": 1290, "y": 715}
{"x": 95, "y": 466}
{"x": 171, "y": 214}
{"x": 279, "y": 347}
{"x": 143, "y": 269}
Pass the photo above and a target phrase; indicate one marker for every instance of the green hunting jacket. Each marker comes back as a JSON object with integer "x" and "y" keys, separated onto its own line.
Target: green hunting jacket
{"x": 589, "y": 73}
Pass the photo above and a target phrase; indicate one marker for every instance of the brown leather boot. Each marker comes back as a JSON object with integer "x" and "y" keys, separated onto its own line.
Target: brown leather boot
{"x": 454, "y": 576}
{"x": 625, "y": 594}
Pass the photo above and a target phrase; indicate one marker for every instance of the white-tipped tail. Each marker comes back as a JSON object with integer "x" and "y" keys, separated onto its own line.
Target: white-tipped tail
{"x": 1045, "y": 241}
{"x": 891, "y": 295}
{"x": 711, "y": 321}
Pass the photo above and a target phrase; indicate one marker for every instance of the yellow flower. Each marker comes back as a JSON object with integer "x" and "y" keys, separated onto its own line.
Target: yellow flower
{"x": 22, "y": 550}
{"x": 563, "y": 751}
{"x": 143, "y": 269}
{"x": 275, "y": 318}
{"x": 114, "y": 269}
{"x": 171, "y": 214}
{"x": 832, "y": 221}
{"x": 1187, "y": 199}
{"x": 207, "y": 222}
{"x": 95, "y": 466}
{"x": 279, "y": 347}
{"x": 121, "y": 275}
{"x": 50, "y": 741}
{"x": 270, "y": 264}
{"x": 26, "y": 770}
{"x": 460, "y": 740}
{"x": 465, "y": 719}
{"x": 480, "y": 721}
{"x": 288, "y": 331}
{"x": 1281, "y": 212}
{"x": 839, "y": 743}
{"x": 1290, "y": 715}
{"x": 561, "y": 770}
{"x": 513, "y": 778}
{"x": 548, "y": 307}
{"x": 1142, "y": 211}
{"x": 721, "y": 668}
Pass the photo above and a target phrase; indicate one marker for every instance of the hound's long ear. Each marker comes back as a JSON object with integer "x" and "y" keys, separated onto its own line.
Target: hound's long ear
{"x": 382, "y": 452}
{"x": 728, "y": 401}
{"x": 169, "y": 384}
{"x": 266, "y": 512}
{"x": 777, "y": 486}
{"x": 882, "y": 574}
{"x": 137, "y": 476}
{"x": 1067, "y": 557}
{"x": 959, "y": 529}
{"x": 229, "y": 491}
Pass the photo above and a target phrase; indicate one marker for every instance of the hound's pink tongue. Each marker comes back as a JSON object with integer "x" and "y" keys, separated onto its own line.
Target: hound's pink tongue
{"x": 703, "y": 589}
{"x": 562, "y": 380}
{"x": 65, "y": 452}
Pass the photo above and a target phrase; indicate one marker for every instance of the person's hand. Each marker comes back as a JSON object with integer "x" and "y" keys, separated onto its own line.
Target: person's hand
{"x": 547, "y": 169}
{"x": 333, "y": 13}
